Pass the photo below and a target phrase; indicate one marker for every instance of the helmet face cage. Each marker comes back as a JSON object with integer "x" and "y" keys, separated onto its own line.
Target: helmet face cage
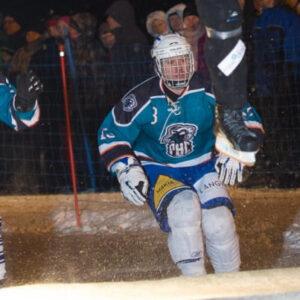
{"x": 176, "y": 71}
{"x": 174, "y": 61}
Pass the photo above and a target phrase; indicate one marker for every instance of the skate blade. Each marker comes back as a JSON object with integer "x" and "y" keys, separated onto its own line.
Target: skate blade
{"x": 223, "y": 146}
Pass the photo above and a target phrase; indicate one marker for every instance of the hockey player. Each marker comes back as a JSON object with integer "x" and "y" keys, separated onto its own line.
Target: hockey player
{"x": 225, "y": 58}
{"x": 159, "y": 142}
{"x": 19, "y": 109}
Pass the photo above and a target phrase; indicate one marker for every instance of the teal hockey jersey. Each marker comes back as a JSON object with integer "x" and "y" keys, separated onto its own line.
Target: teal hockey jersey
{"x": 150, "y": 126}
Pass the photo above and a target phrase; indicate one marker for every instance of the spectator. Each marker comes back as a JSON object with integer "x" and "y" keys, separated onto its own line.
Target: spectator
{"x": 275, "y": 82}
{"x": 51, "y": 132}
{"x": 106, "y": 36}
{"x": 53, "y": 28}
{"x": 294, "y": 5}
{"x": 194, "y": 32}
{"x": 108, "y": 40}
{"x": 121, "y": 19}
{"x": 276, "y": 44}
{"x": 242, "y": 3}
{"x": 156, "y": 23}
{"x": 35, "y": 34}
{"x": 129, "y": 53}
{"x": 89, "y": 55}
{"x": 14, "y": 36}
{"x": 174, "y": 17}
{"x": 89, "y": 93}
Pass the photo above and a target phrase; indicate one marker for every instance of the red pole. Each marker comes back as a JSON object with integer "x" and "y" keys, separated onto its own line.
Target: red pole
{"x": 61, "y": 50}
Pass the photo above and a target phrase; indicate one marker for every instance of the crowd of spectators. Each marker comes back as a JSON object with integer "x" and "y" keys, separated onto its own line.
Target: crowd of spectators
{"x": 108, "y": 56}
{"x": 272, "y": 33}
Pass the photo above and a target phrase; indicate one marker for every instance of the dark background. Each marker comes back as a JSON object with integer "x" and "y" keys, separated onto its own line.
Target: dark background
{"x": 42, "y": 9}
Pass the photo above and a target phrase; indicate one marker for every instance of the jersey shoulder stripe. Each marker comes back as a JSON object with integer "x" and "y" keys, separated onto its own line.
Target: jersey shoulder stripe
{"x": 135, "y": 100}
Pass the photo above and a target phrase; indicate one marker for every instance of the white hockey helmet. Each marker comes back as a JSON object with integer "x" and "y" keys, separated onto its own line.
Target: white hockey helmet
{"x": 174, "y": 60}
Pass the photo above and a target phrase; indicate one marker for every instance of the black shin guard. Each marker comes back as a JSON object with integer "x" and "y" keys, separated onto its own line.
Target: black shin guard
{"x": 231, "y": 90}
{"x": 225, "y": 58}
{"x": 223, "y": 19}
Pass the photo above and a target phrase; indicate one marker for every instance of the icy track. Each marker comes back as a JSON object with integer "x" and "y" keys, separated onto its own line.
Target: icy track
{"x": 104, "y": 220}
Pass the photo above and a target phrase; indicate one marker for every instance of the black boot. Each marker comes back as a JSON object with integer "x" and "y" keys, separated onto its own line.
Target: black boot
{"x": 232, "y": 124}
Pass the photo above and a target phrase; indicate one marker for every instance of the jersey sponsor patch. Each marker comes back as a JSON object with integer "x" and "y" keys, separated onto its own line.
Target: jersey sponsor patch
{"x": 178, "y": 139}
{"x": 163, "y": 186}
{"x": 129, "y": 103}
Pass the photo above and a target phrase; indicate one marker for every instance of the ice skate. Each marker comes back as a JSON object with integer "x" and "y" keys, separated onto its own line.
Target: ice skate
{"x": 233, "y": 138}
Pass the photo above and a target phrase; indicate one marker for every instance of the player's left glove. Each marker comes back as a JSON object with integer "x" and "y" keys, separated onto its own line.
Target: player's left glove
{"x": 229, "y": 169}
{"x": 29, "y": 87}
{"x": 133, "y": 181}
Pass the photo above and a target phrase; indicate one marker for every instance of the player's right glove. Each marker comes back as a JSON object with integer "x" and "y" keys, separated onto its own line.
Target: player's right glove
{"x": 29, "y": 87}
{"x": 133, "y": 181}
{"x": 229, "y": 169}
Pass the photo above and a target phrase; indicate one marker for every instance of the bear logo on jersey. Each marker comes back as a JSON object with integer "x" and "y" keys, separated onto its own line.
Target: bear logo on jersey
{"x": 179, "y": 139}
{"x": 129, "y": 103}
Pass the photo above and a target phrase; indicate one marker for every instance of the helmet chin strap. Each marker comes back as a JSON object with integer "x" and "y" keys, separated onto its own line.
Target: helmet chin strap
{"x": 174, "y": 93}
{"x": 185, "y": 83}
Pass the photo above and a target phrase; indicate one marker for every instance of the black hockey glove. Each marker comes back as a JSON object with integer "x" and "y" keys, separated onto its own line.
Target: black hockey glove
{"x": 29, "y": 87}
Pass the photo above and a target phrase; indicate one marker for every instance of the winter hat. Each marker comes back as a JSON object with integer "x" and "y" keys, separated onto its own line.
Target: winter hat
{"x": 190, "y": 10}
{"x": 18, "y": 17}
{"x": 36, "y": 26}
{"x": 176, "y": 9}
{"x": 122, "y": 11}
{"x": 157, "y": 14}
{"x": 85, "y": 23}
